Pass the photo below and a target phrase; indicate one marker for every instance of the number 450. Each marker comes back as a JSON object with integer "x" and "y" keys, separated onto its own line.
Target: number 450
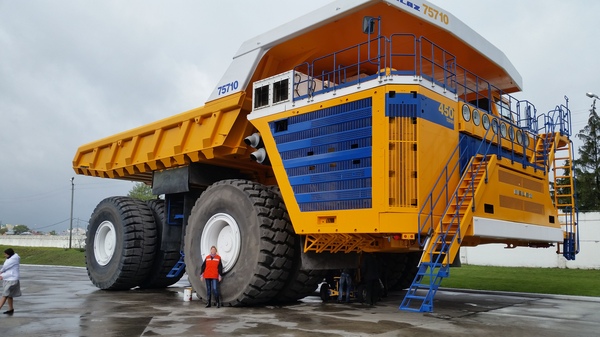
{"x": 446, "y": 110}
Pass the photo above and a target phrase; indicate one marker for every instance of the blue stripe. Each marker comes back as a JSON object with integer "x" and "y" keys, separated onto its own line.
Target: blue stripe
{"x": 302, "y": 125}
{"x": 325, "y": 139}
{"x": 332, "y": 158}
{"x": 331, "y": 176}
{"x": 327, "y": 156}
{"x": 334, "y": 195}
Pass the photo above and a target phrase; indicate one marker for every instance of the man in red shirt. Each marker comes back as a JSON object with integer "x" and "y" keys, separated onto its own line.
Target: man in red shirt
{"x": 211, "y": 271}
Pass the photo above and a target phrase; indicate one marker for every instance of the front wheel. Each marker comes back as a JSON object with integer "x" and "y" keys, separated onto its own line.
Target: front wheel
{"x": 250, "y": 227}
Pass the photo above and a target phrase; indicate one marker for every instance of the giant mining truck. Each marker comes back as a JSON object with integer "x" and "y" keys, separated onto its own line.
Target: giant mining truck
{"x": 383, "y": 127}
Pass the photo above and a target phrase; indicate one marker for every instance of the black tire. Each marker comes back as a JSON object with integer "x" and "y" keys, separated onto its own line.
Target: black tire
{"x": 121, "y": 243}
{"x": 400, "y": 269}
{"x": 259, "y": 270}
{"x": 164, "y": 260}
{"x": 301, "y": 283}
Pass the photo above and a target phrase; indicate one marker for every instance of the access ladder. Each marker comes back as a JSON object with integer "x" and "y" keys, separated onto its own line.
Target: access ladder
{"x": 442, "y": 246}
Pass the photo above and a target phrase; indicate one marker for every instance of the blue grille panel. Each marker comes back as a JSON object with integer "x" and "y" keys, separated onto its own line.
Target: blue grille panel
{"x": 413, "y": 105}
{"x": 327, "y": 156}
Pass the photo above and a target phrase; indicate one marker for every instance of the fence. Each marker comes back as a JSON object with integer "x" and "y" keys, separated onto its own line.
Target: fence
{"x": 60, "y": 241}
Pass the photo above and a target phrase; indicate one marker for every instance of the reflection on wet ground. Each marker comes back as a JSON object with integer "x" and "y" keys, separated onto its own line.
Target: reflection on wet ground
{"x": 61, "y": 301}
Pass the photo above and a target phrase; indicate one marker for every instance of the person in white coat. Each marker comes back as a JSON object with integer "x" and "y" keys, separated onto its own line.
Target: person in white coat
{"x": 9, "y": 274}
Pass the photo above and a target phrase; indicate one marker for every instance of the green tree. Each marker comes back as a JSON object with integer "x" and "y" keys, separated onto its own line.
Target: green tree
{"x": 587, "y": 166}
{"x": 141, "y": 191}
{"x": 3, "y": 230}
{"x": 19, "y": 229}
{"x": 52, "y": 232}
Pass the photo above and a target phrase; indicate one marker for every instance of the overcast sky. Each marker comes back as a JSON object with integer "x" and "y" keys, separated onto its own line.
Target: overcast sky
{"x": 72, "y": 72}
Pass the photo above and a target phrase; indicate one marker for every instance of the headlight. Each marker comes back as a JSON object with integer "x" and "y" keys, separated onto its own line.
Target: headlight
{"x": 476, "y": 117}
{"x": 466, "y": 112}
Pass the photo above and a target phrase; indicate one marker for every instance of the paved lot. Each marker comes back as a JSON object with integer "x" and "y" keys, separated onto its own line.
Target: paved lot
{"x": 61, "y": 301}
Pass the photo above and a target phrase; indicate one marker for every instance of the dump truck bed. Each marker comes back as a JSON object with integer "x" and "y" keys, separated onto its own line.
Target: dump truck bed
{"x": 212, "y": 133}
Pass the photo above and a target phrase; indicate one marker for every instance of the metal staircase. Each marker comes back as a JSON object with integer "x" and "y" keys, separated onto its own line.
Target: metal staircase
{"x": 178, "y": 268}
{"x": 552, "y": 149}
{"x": 442, "y": 246}
{"x": 544, "y": 150}
{"x": 554, "y": 146}
{"x": 564, "y": 197}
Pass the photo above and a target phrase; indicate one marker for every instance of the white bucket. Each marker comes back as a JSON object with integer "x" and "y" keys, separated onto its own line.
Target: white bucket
{"x": 187, "y": 294}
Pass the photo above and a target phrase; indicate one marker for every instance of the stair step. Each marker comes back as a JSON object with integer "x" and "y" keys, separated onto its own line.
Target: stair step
{"x": 415, "y": 297}
{"x": 419, "y": 286}
{"x": 177, "y": 268}
{"x": 411, "y": 309}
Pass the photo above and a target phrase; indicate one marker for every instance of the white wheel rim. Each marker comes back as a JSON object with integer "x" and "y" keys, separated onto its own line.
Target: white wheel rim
{"x": 222, "y": 231}
{"x": 105, "y": 241}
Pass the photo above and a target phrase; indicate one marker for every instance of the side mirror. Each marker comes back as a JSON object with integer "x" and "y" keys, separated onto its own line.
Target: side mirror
{"x": 369, "y": 24}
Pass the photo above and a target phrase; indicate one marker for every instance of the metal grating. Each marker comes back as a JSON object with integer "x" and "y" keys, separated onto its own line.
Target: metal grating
{"x": 403, "y": 162}
{"x": 335, "y": 243}
{"x": 327, "y": 156}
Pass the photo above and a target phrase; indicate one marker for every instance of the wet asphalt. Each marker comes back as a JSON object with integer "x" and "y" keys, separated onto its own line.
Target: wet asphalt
{"x": 61, "y": 301}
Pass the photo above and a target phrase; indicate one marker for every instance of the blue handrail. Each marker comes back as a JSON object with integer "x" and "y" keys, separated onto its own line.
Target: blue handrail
{"x": 449, "y": 169}
{"x": 405, "y": 54}
{"x": 431, "y": 200}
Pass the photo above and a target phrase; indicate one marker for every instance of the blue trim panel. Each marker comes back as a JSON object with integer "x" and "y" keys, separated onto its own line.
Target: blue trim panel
{"x": 417, "y": 106}
{"x": 470, "y": 145}
{"x": 327, "y": 155}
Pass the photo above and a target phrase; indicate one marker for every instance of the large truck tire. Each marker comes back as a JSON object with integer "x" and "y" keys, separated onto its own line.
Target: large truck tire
{"x": 411, "y": 268}
{"x": 300, "y": 283}
{"x": 250, "y": 227}
{"x": 121, "y": 243}
{"x": 164, "y": 260}
{"x": 400, "y": 269}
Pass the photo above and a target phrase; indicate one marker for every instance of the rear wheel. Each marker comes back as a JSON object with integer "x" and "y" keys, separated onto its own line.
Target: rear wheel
{"x": 121, "y": 243}
{"x": 164, "y": 260}
{"x": 301, "y": 283}
{"x": 250, "y": 227}
{"x": 400, "y": 269}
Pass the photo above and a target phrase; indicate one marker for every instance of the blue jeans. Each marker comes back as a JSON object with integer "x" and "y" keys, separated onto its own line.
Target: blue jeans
{"x": 345, "y": 283}
{"x": 212, "y": 286}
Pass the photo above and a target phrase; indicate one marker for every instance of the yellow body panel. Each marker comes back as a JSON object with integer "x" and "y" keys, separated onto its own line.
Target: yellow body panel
{"x": 213, "y": 133}
{"x": 520, "y": 196}
{"x": 393, "y": 216}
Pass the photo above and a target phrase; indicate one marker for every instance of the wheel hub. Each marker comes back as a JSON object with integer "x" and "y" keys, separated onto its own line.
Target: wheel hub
{"x": 222, "y": 231}
{"x": 105, "y": 241}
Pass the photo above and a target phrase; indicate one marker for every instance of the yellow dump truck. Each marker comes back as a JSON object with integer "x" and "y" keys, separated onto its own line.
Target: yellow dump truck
{"x": 367, "y": 126}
